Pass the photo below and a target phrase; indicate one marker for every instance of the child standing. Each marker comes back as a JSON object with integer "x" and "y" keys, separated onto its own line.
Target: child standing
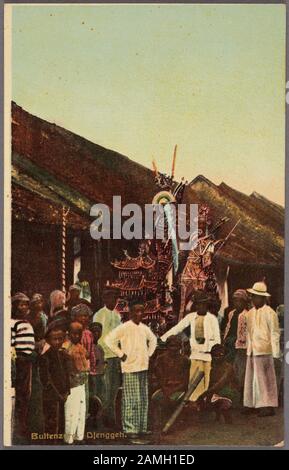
{"x": 75, "y": 406}
{"x": 82, "y": 314}
{"x": 54, "y": 376}
{"x": 96, "y": 378}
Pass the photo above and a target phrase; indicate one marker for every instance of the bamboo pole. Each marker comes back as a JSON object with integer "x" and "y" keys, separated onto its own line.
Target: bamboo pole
{"x": 196, "y": 379}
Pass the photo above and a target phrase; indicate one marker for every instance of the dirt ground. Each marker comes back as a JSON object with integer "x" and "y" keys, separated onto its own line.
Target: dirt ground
{"x": 201, "y": 429}
{"x": 198, "y": 428}
{"x": 244, "y": 430}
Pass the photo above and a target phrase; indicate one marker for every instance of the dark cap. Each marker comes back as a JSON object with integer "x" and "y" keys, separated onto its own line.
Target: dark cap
{"x": 200, "y": 297}
{"x": 20, "y": 297}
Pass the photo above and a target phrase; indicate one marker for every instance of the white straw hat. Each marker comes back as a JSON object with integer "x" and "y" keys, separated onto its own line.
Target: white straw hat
{"x": 259, "y": 288}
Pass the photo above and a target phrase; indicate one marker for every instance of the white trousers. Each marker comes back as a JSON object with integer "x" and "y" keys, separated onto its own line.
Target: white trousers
{"x": 75, "y": 409}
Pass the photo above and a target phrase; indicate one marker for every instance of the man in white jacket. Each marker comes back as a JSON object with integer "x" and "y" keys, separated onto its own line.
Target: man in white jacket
{"x": 204, "y": 334}
{"x": 134, "y": 343}
{"x": 263, "y": 345}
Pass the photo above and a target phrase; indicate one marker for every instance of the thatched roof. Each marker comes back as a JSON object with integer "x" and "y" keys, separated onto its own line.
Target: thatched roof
{"x": 52, "y": 167}
{"x": 76, "y": 164}
{"x": 259, "y": 238}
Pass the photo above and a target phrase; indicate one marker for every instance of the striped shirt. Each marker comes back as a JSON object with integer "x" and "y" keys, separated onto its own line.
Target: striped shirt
{"x": 22, "y": 337}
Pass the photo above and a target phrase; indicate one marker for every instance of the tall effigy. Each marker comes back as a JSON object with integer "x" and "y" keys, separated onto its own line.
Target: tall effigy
{"x": 155, "y": 274}
{"x": 198, "y": 273}
{"x": 149, "y": 276}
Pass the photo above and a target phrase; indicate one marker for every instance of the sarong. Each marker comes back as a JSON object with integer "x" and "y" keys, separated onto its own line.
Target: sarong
{"x": 135, "y": 402}
{"x": 260, "y": 388}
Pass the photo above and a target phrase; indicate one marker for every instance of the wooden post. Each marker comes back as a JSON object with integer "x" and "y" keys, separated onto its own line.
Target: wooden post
{"x": 63, "y": 249}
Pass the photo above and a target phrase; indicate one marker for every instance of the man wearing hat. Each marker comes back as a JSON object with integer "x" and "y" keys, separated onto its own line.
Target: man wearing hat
{"x": 263, "y": 344}
{"x": 205, "y": 333}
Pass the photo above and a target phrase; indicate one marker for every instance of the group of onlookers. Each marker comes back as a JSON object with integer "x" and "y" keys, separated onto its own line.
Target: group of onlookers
{"x": 71, "y": 366}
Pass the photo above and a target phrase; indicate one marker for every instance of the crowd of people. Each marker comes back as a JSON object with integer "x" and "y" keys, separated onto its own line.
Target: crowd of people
{"x": 71, "y": 366}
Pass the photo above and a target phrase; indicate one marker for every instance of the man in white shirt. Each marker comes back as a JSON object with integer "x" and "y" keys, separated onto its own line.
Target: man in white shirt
{"x": 134, "y": 343}
{"x": 263, "y": 345}
{"x": 204, "y": 334}
{"x": 109, "y": 318}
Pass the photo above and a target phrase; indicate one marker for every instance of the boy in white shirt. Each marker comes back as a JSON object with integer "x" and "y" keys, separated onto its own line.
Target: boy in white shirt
{"x": 134, "y": 343}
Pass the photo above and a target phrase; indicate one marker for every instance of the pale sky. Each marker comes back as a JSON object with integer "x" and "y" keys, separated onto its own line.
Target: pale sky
{"x": 141, "y": 78}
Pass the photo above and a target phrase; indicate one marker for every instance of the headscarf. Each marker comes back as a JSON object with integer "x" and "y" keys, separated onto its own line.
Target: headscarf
{"x": 57, "y": 300}
{"x": 36, "y": 298}
{"x": 74, "y": 287}
{"x": 20, "y": 297}
{"x": 241, "y": 294}
{"x": 56, "y": 324}
{"x": 81, "y": 309}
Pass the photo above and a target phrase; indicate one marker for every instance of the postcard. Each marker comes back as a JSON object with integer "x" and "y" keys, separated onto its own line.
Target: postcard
{"x": 144, "y": 189}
